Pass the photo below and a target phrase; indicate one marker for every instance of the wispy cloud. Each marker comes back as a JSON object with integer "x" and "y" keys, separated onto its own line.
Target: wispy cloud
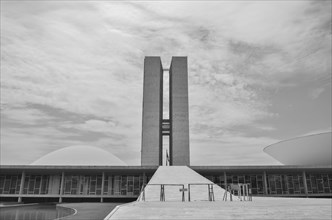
{"x": 76, "y": 68}
{"x": 314, "y": 94}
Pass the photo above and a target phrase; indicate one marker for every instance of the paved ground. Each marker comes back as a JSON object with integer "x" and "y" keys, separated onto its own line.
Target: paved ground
{"x": 260, "y": 208}
{"x": 90, "y": 211}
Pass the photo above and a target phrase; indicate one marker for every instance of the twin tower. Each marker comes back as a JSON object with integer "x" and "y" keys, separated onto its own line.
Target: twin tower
{"x": 154, "y": 126}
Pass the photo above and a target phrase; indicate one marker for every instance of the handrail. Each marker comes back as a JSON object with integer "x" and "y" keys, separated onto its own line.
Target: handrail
{"x": 210, "y": 190}
{"x": 165, "y": 184}
{"x": 142, "y": 193}
{"x": 162, "y": 190}
{"x": 243, "y": 190}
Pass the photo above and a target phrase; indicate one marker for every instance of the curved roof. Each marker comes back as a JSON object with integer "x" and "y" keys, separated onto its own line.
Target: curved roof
{"x": 80, "y": 155}
{"x": 307, "y": 150}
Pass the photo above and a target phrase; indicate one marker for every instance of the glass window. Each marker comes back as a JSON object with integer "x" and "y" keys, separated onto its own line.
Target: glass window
{"x": 319, "y": 183}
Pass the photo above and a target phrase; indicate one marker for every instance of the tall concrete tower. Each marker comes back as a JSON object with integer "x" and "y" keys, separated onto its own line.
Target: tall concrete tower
{"x": 154, "y": 126}
{"x": 152, "y": 112}
{"x": 179, "y": 114}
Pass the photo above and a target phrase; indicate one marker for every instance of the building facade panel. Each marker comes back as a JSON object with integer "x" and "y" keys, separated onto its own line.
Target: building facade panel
{"x": 88, "y": 183}
{"x": 319, "y": 182}
{"x": 151, "y": 154}
{"x": 179, "y": 116}
{"x": 10, "y": 184}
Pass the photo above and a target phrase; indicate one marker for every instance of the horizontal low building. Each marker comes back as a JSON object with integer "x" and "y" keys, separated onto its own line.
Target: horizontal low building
{"x": 124, "y": 183}
{"x": 71, "y": 174}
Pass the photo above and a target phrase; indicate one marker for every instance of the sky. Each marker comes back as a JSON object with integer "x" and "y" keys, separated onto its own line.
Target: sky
{"x": 72, "y": 74}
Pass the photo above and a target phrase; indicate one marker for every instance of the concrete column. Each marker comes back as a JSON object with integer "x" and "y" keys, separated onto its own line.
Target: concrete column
{"x": 144, "y": 179}
{"x": 179, "y": 113}
{"x": 151, "y": 154}
{"x": 21, "y": 187}
{"x": 40, "y": 185}
{"x": 102, "y": 187}
{"x": 61, "y": 186}
{"x": 225, "y": 180}
{"x": 305, "y": 183}
{"x": 265, "y": 183}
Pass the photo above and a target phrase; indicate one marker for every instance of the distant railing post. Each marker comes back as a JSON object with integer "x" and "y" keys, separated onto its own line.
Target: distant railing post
{"x": 212, "y": 192}
{"x": 21, "y": 187}
{"x": 265, "y": 183}
{"x": 102, "y": 186}
{"x": 225, "y": 180}
{"x": 240, "y": 189}
{"x": 224, "y": 198}
{"x": 61, "y": 186}
{"x": 162, "y": 193}
{"x": 189, "y": 192}
{"x": 305, "y": 183}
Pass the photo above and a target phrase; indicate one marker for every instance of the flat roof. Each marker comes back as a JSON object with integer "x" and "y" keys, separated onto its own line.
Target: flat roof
{"x": 78, "y": 169}
{"x": 149, "y": 169}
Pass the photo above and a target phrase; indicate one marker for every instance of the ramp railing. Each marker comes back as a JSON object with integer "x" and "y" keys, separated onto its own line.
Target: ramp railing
{"x": 243, "y": 191}
{"x": 210, "y": 190}
{"x": 162, "y": 190}
{"x": 142, "y": 193}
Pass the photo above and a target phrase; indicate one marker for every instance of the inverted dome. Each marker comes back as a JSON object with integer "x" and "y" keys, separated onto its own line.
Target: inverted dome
{"x": 308, "y": 150}
{"x": 80, "y": 155}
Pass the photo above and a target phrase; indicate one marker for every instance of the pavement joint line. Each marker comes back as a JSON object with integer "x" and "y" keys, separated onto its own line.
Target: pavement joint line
{"x": 116, "y": 209}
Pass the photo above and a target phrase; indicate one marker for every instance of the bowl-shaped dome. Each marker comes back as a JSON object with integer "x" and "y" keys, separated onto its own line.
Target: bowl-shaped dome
{"x": 308, "y": 150}
{"x": 80, "y": 156}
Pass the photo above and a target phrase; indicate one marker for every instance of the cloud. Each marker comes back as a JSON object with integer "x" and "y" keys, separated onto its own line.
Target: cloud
{"x": 93, "y": 125}
{"x": 85, "y": 60}
{"x": 316, "y": 132}
{"x": 232, "y": 148}
{"x": 316, "y": 93}
{"x": 24, "y": 145}
{"x": 24, "y": 116}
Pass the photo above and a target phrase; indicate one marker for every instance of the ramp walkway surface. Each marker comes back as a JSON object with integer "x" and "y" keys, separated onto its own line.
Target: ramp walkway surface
{"x": 178, "y": 182}
{"x": 177, "y": 178}
{"x": 259, "y": 208}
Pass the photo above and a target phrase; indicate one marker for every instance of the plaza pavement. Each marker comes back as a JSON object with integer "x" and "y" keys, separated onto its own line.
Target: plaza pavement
{"x": 259, "y": 208}
{"x": 200, "y": 208}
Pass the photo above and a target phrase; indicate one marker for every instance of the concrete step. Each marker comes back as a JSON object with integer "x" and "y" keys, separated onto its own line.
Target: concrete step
{"x": 174, "y": 179}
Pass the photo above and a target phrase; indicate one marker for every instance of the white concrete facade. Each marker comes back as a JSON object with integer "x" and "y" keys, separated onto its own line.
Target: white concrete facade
{"x": 152, "y": 127}
{"x": 179, "y": 112}
{"x": 151, "y": 154}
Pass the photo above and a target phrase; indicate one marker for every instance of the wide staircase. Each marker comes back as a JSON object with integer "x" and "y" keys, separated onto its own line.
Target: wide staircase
{"x": 180, "y": 183}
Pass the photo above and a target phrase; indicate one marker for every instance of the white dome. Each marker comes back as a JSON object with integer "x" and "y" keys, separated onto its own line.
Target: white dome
{"x": 79, "y": 155}
{"x": 312, "y": 150}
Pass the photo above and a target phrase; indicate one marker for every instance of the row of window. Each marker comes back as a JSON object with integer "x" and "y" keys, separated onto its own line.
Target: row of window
{"x": 36, "y": 184}
{"x": 285, "y": 184}
{"x": 123, "y": 185}
{"x": 255, "y": 180}
{"x": 279, "y": 183}
{"x": 130, "y": 185}
{"x": 82, "y": 185}
{"x": 10, "y": 184}
{"x": 319, "y": 183}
